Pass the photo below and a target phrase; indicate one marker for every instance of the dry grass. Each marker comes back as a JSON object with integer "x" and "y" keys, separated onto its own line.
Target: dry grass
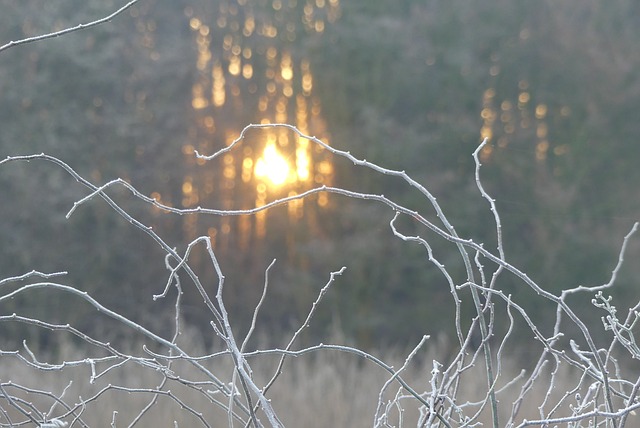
{"x": 322, "y": 389}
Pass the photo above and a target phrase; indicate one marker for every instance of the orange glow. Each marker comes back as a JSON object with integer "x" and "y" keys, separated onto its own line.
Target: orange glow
{"x": 301, "y": 117}
{"x": 234, "y": 66}
{"x": 272, "y": 166}
{"x": 271, "y": 52}
{"x": 263, "y": 103}
{"x": 189, "y": 194}
{"x": 249, "y": 26}
{"x": 286, "y": 71}
{"x": 218, "y": 91}
{"x": 198, "y": 101}
{"x": 560, "y": 150}
{"x": 485, "y": 153}
{"x": 247, "y": 71}
{"x": 325, "y": 168}
{"x": 541, "y": 111}
{"x": 486, "y": 132}
{"x": 247, "y": 168}
{"x": 541, "y": 150}
{"x": 542, "y": 130}
{"x": 295, "y": 207}
{"x": 246, "y": 64}
{"x": 487, "y": 114}
{"x": 269, "y": 31}
{"x": 209, "y": 123}
{"x": 281, "y": 111}
{"x": 194, "y": 23}
{"x": 303, "y": 160}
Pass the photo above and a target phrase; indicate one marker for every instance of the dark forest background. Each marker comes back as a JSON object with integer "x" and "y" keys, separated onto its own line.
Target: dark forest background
{"x": 408, "y": 84}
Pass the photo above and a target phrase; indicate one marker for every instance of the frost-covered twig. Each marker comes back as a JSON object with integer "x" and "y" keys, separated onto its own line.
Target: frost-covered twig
{"x": 441, "y": 399}
{"x": 69, "y": 29}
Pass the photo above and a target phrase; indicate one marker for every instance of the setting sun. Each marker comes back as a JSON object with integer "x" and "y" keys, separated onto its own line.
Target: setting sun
{"x": 272, "y": 166}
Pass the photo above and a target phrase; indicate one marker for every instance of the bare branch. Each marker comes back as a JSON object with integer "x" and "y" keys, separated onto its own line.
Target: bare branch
{"x": 229, "y": 378}
{"x": 68, "y": 30}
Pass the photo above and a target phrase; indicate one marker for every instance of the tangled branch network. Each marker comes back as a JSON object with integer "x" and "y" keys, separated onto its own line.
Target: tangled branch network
{"x": 223, "y": 385}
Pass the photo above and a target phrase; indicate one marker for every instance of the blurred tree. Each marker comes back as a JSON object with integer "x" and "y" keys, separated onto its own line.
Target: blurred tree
{"x": 551, "y": 85}
{"x": 99, "y": 100}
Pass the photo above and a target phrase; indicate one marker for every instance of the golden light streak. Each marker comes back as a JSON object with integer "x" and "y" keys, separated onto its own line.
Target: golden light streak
{"x": 247, "y": 169}
{"x": 524, "y": 97}
{"x": 541, "y": 111}
{"x": 295, "y": 207}
{"x": 218, "y": 87}
{"x": 542, "y": 130}
{"x": 261, "y": 216}
{"x": 303, "y": 160}
{"x": 194, "y": 23}
{"x": 245, "y": 63}
{"x": 560, "y": 150}
{"x": 249, "y": 26}
{"x": 271, "y": 53}
{"x": 486, "y": 152}
{"x": 198, "y": 100}
{"x": 301, "y": 114}
{"x": 486, "y": 132}
{"x": 323, "y": 199}
{"x": 156, "y": 196}
{"x": 234, "y": 65}
{"x": 247, "y": 71}
{"x": 209, "y": 124}
{"x": 286, "y": 71}
{"x": 541, "y": 150}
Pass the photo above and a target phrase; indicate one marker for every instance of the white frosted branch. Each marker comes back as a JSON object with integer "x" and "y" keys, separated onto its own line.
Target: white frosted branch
{"x": 68, "y": 30}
